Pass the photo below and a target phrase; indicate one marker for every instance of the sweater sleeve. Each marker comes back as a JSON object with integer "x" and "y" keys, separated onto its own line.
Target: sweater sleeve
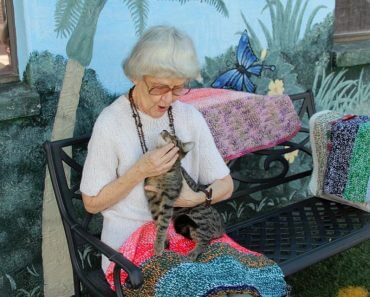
{"x": 100, "y": 167}
{"x": 211, "y": 164}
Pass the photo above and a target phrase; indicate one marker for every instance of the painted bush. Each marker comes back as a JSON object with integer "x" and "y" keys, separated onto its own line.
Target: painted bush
{"x": 300, "y": 63}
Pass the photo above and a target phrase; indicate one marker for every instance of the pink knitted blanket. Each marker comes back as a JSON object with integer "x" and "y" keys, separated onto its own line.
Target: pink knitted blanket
{"x": 242, "y": 122}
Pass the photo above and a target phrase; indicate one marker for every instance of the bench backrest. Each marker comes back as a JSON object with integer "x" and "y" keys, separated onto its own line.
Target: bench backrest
{"x": 276, "y": 169}
{"x": 66, "y": 172}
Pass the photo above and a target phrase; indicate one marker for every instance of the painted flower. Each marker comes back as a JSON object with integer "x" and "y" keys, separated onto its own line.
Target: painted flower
{"x": 263, "y": 54}
{"x": 352, "y": 291}
{"x": 276, "y": 87}
{"x": 290, "y": 157}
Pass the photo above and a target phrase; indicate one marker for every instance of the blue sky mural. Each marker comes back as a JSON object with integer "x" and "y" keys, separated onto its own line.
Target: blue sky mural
{"x": 212, "y": 33}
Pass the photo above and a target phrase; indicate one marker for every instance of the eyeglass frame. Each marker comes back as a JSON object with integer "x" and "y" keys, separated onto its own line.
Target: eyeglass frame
{"x": 166, "y": 87}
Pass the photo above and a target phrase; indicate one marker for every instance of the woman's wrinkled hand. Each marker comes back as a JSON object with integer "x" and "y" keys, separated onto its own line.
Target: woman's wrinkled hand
{"x": 188, "y": 198}
{"x": 158, "y": 161}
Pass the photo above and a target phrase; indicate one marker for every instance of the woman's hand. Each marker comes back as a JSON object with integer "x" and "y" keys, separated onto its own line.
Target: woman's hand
{"x": 187, "y": 198}
{"x": 158, "y": 161}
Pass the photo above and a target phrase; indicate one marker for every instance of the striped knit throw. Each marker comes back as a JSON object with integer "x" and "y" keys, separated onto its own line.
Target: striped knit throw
{"x": 223, "y": 268}
{"x": 340, "y": 146}
{"x": 242, "y": 122}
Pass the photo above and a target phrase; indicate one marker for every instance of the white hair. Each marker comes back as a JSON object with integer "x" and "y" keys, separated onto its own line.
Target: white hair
{"x": 163, "y": 52}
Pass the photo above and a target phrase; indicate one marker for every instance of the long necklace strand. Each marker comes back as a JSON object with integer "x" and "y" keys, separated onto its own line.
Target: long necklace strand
{"x": 139, "y": 125}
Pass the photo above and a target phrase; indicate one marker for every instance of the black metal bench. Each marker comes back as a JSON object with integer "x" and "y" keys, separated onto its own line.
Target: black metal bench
{"x": 295, "y": 236}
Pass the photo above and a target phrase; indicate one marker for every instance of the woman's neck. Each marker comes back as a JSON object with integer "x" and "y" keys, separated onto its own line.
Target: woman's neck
{"x": 136, "y": 98}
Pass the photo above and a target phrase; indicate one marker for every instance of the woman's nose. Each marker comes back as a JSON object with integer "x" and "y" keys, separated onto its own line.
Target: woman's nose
{"x": 167, "y": 98}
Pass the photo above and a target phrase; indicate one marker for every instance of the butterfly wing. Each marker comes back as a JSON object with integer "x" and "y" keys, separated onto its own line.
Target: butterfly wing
{"x": 244, "y": 53}
{"x": 230, "y": 79}
{"x": 249, "y": 86}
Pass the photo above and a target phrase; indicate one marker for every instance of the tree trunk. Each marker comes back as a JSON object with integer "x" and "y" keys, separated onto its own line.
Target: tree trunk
{"x": 58, "y": 277}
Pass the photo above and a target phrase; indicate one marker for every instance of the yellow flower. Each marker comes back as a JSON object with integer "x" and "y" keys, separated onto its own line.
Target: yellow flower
{"x": 276, "y": 87}
{"x": 290, "y": 157}
{"x": 352, "y": 291}
{"x": 263, "y": 54}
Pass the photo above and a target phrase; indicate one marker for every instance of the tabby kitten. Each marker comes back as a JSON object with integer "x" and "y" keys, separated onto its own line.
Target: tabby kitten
{"x": 200, "y": 223}
{"x": 169, "y": 186}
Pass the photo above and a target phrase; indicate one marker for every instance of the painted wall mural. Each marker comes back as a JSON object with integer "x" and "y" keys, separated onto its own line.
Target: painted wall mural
{"x": 265, "y": 47}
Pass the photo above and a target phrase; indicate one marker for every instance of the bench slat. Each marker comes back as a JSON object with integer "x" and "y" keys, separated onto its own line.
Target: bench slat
{"x": 303, "y": 233}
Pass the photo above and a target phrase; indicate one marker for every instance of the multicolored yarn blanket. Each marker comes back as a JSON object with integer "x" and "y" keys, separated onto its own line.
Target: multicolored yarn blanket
{"x": 342, "y": 137}
{"x": 340, "y": 148}
{"x": 223, "y": 268}
{"x": 242, "y": 122}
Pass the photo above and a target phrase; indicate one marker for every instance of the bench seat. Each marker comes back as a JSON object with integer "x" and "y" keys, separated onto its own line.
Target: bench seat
{"x": 303, "y": 233}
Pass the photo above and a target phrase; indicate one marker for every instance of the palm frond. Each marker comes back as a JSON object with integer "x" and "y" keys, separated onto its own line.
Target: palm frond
{"x": 294, "y": 19}
{"x": 256, "y": 44}
{"x": 273, "y": 18}
{"x": 139, "y": 12}
{"x": 297, "y": 25}
{"x": 280, "y": 35}
{"x": 288, "y": 12}
{"x": 268, "y": 37}
{"x": 333, "y": 90}
{"x": 312, "y": 15}
{"x": 66, "y": 16}
{"x": 358, "y": 100}
{"x": 286, "y": 22}
{"x": 218, "y": 4}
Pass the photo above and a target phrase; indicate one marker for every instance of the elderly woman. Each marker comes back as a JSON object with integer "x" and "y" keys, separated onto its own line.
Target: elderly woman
{"x": 122, "y": 153}
{"x": 160, "y": 65}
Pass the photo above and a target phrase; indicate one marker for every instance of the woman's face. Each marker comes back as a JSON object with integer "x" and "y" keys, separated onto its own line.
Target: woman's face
{"x": 154, "y": 95}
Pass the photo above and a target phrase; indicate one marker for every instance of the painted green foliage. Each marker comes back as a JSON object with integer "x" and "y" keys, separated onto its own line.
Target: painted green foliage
{"x": 300, "y": 67}
{"x": 294, "y": 57}
{"x": 22, "y": 187}
{"x": 301, "y": 63}
{"x": 21, "y": 143}
{"x": 79, "y": 19}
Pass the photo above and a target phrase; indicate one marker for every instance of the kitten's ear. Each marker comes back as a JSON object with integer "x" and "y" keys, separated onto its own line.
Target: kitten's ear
{"x": 188, "y": 146}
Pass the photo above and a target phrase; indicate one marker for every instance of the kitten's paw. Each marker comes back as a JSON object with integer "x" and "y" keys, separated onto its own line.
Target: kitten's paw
{"x": 158, "y": 250}
{"x": 193, "y": 255}
{"x": 167, "y": 244}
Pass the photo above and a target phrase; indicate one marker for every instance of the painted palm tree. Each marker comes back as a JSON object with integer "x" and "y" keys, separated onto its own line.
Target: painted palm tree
{"x": 78, "y": 20}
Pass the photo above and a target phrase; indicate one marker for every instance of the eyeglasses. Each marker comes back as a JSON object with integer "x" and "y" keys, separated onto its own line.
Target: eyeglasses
{"x": 161, "y": 90}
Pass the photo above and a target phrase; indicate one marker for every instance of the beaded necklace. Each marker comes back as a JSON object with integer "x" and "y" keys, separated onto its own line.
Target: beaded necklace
{"x": 139, "y": 125}
{"x": 144, "y": 148}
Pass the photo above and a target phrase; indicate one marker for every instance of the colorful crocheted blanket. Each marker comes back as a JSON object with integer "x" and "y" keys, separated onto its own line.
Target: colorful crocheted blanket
{"x": 340, "y": 146}
{"x": 242, "y": 122}
{"x": 348, "y": 170}
{"x": 223, "y": 268}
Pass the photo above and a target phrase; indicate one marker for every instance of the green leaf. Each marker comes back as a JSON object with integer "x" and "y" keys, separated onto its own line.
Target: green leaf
{"x": 12, "y": 282}
{"x": 312, "y": 15}
{"x": 255, "y": 43}
{"x": 139, "y": 12}
{"x": 66, "y": 16}
{"x": 218, "y": 4}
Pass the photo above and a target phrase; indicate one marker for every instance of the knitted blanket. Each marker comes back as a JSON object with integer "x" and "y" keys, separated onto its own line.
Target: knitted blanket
{"x": 243, "y": 122}
{"x": 357, "y": 187}
{"x": 223, "y": 268}
{"x": 341, "y": 163}
{"x": 343, "y": 136}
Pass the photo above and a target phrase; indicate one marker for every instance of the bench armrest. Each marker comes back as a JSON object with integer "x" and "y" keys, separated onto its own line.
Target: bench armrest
{"x": 135, "y": 276}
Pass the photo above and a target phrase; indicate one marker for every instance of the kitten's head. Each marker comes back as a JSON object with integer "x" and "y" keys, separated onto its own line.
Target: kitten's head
{"x": 184, "y": 147}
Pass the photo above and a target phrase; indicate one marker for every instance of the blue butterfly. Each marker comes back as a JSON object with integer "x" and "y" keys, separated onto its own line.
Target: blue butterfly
{"x": 239, "y": 77}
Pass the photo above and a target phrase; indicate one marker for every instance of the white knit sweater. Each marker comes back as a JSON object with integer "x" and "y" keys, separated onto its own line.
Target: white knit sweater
{"x": 115, "y": 146}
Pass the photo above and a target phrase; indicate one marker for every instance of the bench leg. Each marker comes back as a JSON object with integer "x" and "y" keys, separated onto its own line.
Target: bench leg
{"x": 77, "y": 285}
